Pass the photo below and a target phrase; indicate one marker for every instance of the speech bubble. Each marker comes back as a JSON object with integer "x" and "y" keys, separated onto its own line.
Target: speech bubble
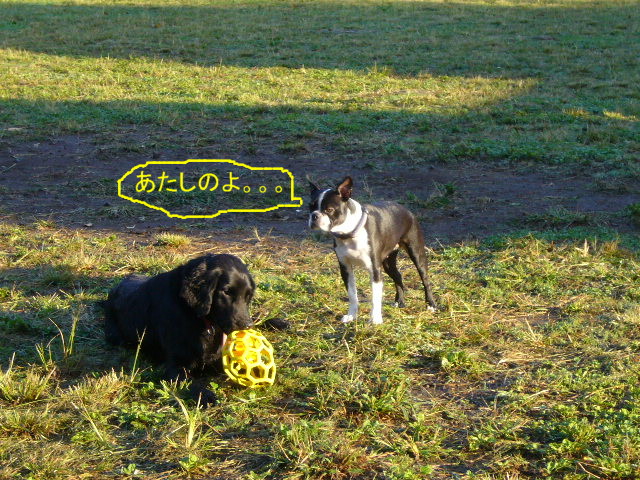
{"x": 206, "y": 188}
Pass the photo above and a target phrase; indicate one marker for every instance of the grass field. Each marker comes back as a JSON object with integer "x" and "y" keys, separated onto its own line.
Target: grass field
{"x": 523, "y": 80}
{"x": 530, "y": 370}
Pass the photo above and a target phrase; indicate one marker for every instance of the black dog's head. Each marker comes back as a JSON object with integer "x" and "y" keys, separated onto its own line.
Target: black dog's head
{"x": 219, "y": 289}
{"x": 329, "y": 208}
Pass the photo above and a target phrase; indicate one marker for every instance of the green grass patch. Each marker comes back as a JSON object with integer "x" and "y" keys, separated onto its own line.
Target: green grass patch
{"x": 529, "y": 370}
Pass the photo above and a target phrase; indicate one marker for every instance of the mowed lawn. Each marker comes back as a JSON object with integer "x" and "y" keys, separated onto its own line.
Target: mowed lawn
{"x": 553, "y": 81}
{"x": 530, "y": 369}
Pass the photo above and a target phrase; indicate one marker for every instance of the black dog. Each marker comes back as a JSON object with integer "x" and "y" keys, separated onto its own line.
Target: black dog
{"x": 182, "y": 317}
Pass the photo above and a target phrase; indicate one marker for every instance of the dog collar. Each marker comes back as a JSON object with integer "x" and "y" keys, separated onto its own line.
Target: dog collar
{"x": 361, "y": 222}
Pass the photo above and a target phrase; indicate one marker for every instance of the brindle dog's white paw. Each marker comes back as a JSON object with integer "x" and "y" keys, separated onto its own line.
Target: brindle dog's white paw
{"x": 348, "y": 318}
{"x": 431, "y": 309}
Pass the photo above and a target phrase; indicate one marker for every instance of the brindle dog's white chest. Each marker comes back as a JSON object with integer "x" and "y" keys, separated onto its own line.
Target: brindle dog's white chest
{"x": 355, "y": 251}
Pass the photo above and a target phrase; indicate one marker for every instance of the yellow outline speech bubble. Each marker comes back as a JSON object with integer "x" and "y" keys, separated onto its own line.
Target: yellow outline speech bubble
{"x": 219, "y": 212}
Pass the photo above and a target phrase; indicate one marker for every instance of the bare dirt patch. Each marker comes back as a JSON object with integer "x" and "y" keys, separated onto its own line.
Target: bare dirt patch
{"x": 72, "y": 181}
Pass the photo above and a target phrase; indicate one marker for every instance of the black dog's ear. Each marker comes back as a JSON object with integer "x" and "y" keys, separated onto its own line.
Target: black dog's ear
{"x": 198, "y": 287}
{"x": 252, "y": 285}
{"x": 344, "y": 188}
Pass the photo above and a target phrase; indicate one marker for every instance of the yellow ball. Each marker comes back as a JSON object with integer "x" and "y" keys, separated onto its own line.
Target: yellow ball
{"x": 247, "y": 358}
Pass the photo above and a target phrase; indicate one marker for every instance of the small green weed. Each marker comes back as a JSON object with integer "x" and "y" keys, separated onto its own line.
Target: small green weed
{"x": 174, "y": 240}
{"x": 24, "y": 386}
{"x": 559, "y": 218}
{"x": 442, "y": 196}
{"x": 634, "y": 211}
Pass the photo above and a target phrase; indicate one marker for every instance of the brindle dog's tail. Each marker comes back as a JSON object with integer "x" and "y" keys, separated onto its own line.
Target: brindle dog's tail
{"x": 413, "y": 243}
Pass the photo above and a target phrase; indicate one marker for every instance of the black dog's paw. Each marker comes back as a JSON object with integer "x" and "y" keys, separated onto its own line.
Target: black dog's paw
{"x": 278, "y": 324}
{"x": 208, "y": 399}
{"x": 204, "y": 397}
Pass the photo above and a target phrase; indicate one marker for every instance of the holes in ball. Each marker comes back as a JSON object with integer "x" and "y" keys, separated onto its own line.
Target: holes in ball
{"x": 236, "y": 366}
{"x": 258, "y": 372}
{"x": 251, "y": 358}
{"x": 266, "y": 357}
{"x": 238, "y": 349}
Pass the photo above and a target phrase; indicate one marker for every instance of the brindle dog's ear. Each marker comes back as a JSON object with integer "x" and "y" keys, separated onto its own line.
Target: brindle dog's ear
{"x": 198, "y": 287}
{"x": 313, "y": 188}
{"x": 344, "y": 188}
